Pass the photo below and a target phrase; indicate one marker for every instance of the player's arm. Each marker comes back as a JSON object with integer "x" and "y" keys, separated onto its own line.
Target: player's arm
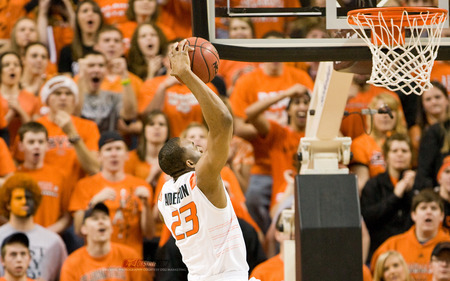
{"x": 220, "y": 124}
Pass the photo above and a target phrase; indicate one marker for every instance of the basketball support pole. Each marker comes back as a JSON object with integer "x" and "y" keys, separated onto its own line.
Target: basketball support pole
{"x": 326, "y": 216}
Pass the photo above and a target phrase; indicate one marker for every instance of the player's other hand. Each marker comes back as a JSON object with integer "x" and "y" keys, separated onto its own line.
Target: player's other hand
{"x": 179, "y": 58}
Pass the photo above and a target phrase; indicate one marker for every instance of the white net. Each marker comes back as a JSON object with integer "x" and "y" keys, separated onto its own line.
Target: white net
{"x": 401, "y": 63}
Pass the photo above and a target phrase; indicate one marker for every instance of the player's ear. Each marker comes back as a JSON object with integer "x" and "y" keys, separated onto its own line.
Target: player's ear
{"x": 190, "y": 163}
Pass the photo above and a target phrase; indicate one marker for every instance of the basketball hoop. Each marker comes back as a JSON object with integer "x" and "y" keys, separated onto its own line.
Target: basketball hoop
{"x": 404, "y": 42}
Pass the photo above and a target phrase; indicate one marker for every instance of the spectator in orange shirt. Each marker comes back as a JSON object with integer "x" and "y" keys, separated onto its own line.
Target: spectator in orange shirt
{"x": 268, "y": 80}
{"x": 440, "y": 262}
{"x": 147, "y": 50}
{"x": 113, "y": 10}
{"x": 280, "y": 141}
{"x": 368, "y": 160}
{"x": 7, "y": 166}
{"x": 16, "y": 257}
{"x": 35, "y": 62}
{"x": 73, "y": 141}
{"x": 418, "y": 242}
{"x": 127, "y": 197}
{"x": 88, "y": 21}
{"x": 101, "y": 256}
{"x": 52, "y": 213}
{"x": 20, "y": 105}
{"x": 391, "y": 266}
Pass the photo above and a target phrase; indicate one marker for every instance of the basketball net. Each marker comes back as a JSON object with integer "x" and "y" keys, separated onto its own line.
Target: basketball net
{"x": 401, "y": 63}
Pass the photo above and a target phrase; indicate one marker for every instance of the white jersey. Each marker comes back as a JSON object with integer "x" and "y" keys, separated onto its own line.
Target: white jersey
{"x": 210, "y": 239}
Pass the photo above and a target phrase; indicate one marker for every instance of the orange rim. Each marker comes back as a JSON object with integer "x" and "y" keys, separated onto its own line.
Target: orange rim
{"x": 394, "y": 14}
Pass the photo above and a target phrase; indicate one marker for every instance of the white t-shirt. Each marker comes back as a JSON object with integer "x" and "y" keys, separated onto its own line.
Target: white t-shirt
{"x": 210, "y": 239}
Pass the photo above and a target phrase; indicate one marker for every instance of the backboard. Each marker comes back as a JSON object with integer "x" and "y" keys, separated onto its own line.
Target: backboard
{"x": 208, "y": 16}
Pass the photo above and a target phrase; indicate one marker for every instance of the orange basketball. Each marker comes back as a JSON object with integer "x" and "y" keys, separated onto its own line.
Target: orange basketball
{"x": 204, "y": 58}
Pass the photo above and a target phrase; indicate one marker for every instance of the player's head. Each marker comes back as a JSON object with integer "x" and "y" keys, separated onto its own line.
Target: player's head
{"x": 96, "y": 224}
{"x": 109, "y": 42}
{"x": 20, "y": 196}
{"x": 427, "y": 211}
{"x": 60, "y": 93}
{"x": 113, "y": 151}
{"x": 33, "y": 142}
{"x": 440, "y": 262}
{"x": 391, "y": 265}
{"x": 16, "y": 254}
{"x": 178, "y": 156}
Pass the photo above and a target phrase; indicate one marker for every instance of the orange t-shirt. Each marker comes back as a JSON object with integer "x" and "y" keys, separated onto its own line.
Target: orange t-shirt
{"x": 367, "y": 275}
{"x": 441, "y": 73}
{"x": 114, "y": 266}
{"x": 269, "y": 270}
{"x": 232, "y": 70}
{"x": 61, "y": 153}
{"x": 180, "y": 105}
{"x": 237, "y": 197}
{"x": 55, "y": 194}
{"x": 282, "y": 144}
{"x": 125, "y": 210}
{"x": 29, "y": 103}
{"x": 417, "y": 255}
{"x": 256, "y": 85}
{"x": 113, "y": 11}
{"x": 2, "y": 118}
{"x": 136, "y": 167}
{"x": 176, "y": 15}
{"x": 6, "y": 162}
{"x": 10, "y": 12}
{"x": 368, "y": 153}
{"x": 115, "y": 85}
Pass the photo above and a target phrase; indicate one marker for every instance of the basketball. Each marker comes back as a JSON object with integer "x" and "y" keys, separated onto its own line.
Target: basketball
{"x": 204, "y": 58}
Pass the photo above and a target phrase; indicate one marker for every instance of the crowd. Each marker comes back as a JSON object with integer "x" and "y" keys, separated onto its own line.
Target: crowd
{"x": 87, "y": 102}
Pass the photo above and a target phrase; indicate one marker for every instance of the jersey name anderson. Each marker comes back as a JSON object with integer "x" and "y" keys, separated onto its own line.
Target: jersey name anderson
{"x": 176, "y": 197}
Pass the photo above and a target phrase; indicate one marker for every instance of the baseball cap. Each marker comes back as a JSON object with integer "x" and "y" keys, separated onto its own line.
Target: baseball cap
{"x": 58, "y": 82}
{"x": 108, "y": 137}
{"x": 97, "y": 207}
{"x": 440, "y": 247}
{"x": 16, "y": 237}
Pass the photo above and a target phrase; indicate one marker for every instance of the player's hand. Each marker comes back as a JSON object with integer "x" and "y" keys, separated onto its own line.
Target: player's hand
{"x": 106, "y": 193}
{"x": 179, "y": 58}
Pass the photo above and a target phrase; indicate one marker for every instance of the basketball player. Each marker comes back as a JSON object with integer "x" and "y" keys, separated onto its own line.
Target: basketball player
{"x": 194, "y": 204}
